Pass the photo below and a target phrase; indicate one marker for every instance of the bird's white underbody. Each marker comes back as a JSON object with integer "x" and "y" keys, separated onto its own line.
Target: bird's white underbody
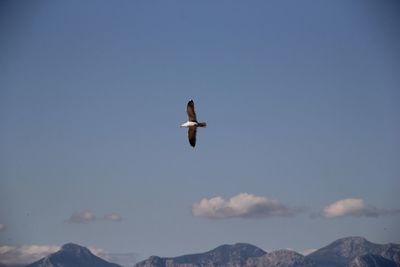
{"x": 189, "y": 124}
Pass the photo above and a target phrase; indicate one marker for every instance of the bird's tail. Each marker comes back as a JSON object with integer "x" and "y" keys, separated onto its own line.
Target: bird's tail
{"x": 202, "y": 124}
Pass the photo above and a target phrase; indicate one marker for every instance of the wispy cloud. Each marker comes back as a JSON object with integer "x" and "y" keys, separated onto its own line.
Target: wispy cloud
{"x": 82, "y": 217}
{"x": 3, "y": 227}
{"x": 114, "y": 217}
{"x": 354, "y": 207}
{"x": 243, "y": 205}
{"x": 88, "y": 216}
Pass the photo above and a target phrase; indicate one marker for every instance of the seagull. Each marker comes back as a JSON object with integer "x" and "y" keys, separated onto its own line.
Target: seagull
{"x": 192, "y": 123}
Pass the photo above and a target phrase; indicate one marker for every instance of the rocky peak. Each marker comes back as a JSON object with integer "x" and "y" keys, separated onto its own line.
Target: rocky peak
{"x": 237, "y": 251}
{"x": 72, "y": 255}
{"x": 342, "y": 251}
{"x": 351, "y": 241}
{"x": 74, "y": 249}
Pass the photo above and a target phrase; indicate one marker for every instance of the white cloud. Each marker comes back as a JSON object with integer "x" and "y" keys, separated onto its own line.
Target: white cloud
{"x": 88, "y": 216}
{"x": 25, "y": 254}
{"x": 3, "y": 227}
{"x": 115, "y": 217}
{"x": 354, "y": 207}
{"x": 81, "y": 217}
{"x": 243, "y": 205}
{"x": 344, "y": 207}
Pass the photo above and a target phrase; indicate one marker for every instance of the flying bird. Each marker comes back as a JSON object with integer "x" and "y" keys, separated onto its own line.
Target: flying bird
{"x": 192, "y": 123}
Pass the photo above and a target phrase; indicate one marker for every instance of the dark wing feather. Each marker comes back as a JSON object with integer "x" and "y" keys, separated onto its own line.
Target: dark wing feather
{"x": 190, "y": 111}
{"x": 192, "y": 135}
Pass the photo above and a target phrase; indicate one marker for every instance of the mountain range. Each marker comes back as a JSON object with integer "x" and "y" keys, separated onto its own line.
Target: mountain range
{"x": 345, "y": 252}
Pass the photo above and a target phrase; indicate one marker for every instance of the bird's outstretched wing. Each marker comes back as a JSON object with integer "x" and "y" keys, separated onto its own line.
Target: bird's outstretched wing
{"x": 190, "y": 111}
{"x": 192, "y": 135}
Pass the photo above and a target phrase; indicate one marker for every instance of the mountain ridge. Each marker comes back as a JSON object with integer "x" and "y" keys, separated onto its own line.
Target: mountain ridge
{"x": 344, "y": 252}
{"x": 224, "y": 255}
{"x": 341, "y": 253}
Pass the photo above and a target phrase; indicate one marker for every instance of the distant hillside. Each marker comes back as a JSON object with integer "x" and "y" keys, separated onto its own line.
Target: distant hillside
{"x": 281, "y": 258}
{"x": 345, "y": 252}
{"x": 225, "y": 255}
{"x": 341, "y": 252}
{"x": 370, "y": 260}
{"x": 72, "y": 255}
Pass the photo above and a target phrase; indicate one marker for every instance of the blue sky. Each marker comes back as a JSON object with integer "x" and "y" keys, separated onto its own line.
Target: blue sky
{"x": 301, "y": 101}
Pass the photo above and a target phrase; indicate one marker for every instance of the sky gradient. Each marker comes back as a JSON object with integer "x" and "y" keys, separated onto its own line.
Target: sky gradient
{"x": 301, "y": 100}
